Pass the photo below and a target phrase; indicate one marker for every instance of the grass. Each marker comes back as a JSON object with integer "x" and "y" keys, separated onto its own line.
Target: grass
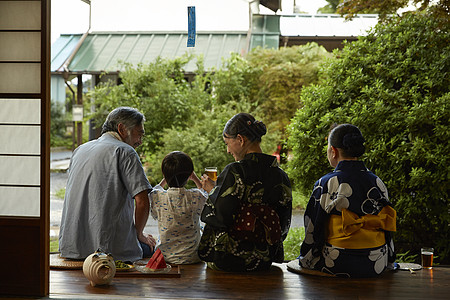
{"x": 296, "y": 234}
{"x": 54, "y": 244}
{"x": 292, "y": 243}
{"x": 60, "y": 193}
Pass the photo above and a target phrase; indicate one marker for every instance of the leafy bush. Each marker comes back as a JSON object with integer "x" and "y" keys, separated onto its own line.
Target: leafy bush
{"x": 203, "y": 141}
{"x": 159, "y": 90}
{"x": 58, "y": 133}
{"x": 394, "y": 85}
{"x": 299, "y": 200}
{"x": 291, "y": 244}
{"x": 190, "y": 116}
{"x": 271, "y": 80}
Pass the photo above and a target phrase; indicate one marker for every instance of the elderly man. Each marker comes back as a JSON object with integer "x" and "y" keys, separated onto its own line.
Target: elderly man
{"x": 105, "y": 175}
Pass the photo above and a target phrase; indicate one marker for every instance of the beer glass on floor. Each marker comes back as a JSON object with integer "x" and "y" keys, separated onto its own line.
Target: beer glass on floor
{"x": 427, "y": 257}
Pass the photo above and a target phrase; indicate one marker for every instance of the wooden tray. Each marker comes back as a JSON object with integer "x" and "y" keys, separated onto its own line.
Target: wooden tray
{"x": 175, "y": 272}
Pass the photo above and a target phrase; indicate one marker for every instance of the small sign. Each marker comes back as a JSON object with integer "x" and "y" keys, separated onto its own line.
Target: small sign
{"x": 191, "y": 26}
{"x": 77, "y": 113}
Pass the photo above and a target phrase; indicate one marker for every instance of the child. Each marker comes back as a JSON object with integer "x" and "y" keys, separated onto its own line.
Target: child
{"x": 178, "y": 209}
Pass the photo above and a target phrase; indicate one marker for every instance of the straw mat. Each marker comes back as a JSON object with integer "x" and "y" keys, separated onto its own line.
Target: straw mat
{"x": 58, "y": 262}
{"x": 295, "y": 267}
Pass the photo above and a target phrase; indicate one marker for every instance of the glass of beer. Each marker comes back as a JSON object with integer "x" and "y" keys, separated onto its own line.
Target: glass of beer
{"x": 427, "y": 257}
{"x": 211, "y": 172}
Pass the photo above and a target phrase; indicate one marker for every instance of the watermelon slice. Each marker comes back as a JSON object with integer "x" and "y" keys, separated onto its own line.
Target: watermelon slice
{"x": 157, "y": 261}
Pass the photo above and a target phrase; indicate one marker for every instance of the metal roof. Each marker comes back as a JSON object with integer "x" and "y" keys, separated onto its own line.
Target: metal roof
{"x": 61, "y": 50}
{"x": 97, "y": 52}
{"x": 326, "y": 25}
{"x": 102, "y": 51}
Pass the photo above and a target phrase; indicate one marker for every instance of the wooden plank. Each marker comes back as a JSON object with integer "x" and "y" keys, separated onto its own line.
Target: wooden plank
{"x": 173, "y": 273}
{"x": 199, "y": 282}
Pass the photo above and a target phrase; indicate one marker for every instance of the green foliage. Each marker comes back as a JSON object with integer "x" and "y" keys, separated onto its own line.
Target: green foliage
{"x": 407, "y": 257}
{"x": 190, "y": 117}
{"x": 394, "y": 85}
{"x": 159, "y": 90}
{"x": 58, "y": 135}
{"x": 299, "y": 200}
{"x": 203, "y": 141}
{"x": 271, "y": 80}
{"x": 387, "y": 8}
{"x": 330, "y": 8}
{"x": 292, "y": 243}
{"x": 60, "y": 193}
{"x": 54, "y": 245}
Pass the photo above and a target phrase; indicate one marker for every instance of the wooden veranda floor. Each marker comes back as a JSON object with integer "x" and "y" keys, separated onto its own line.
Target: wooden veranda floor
{"x": 198, "y": 282}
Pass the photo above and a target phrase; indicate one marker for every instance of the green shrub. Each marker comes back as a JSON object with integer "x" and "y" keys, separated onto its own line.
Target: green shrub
{"x": 190, "y": 116}
{"x": 299, "y": 200}
{"x": 58, "y": 132}
{"x": 394, "y": 85}
{"x": 292, "y": 243}
{"x": 270, "y": 79}
{"x": 407, "y": 258}
{"x": 203, "y": 141}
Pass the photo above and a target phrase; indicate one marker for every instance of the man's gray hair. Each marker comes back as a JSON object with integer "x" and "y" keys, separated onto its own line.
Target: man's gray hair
{"x": 128, "y": 116}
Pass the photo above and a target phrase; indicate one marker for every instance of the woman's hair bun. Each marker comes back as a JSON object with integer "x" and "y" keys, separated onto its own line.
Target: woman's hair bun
{"x": 246, "y": 125}
{"x": 352, "y": 139}
{"x": 260, "y": 128}
{"x": 349, "y": 138}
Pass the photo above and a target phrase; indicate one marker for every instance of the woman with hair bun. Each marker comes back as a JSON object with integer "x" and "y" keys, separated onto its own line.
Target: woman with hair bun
{"x": 248, "y": 213}
{"x": 349, "y": 219}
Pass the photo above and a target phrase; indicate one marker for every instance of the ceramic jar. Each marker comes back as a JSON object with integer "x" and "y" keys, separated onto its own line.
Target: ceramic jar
{"x": 99, "y": 268}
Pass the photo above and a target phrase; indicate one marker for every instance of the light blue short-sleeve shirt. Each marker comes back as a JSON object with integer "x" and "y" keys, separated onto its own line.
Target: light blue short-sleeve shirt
{"x": 98, "y": 212}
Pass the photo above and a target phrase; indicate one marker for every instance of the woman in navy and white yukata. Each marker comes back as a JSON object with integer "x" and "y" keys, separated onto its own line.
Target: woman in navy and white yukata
{"x": 349, "y": 219}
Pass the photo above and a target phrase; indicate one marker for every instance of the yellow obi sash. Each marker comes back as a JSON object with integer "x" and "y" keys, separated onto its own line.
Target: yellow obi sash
{"x": 353, "y": 232}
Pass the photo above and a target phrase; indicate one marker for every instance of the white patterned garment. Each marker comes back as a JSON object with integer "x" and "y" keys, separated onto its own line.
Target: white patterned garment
{"x": 351, "y": 186}
{"x": 178, "y": 213}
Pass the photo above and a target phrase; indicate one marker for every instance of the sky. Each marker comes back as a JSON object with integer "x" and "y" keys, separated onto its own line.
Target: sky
{"x": 72, "y": 16}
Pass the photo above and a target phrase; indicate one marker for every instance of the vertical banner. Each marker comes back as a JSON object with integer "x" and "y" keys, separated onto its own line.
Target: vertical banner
{"x": 191, "y": 26}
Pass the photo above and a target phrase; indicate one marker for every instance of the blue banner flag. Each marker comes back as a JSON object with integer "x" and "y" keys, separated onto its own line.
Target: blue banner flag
{"x": 191, "y": 26}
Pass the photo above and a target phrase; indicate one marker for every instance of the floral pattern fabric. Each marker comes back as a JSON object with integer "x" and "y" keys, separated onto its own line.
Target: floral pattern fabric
{"x": 178, "y": 213}
{"x": 247, "y": 215}
{"x": 354, "y": 188}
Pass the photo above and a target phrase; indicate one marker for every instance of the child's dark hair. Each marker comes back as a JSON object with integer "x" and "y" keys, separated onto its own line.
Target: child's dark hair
{"x": 349, "y": 138}
{"x": 245, "y": 125}
{"x": 176, "y": 167}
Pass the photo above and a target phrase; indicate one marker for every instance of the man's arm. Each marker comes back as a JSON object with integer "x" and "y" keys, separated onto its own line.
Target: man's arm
{"x": 141, "y": 215}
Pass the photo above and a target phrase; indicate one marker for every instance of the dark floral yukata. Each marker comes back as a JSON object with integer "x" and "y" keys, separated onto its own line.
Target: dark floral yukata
{"x": 348, "y": 224}
{"x": 247, "y": 215}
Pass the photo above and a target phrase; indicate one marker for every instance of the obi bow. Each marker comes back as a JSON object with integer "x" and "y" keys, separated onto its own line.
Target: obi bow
{"x": 385, "y": 220}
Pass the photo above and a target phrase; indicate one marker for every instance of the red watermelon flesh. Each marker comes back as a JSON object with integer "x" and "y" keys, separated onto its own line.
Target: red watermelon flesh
{"x": 157, "y": 261}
